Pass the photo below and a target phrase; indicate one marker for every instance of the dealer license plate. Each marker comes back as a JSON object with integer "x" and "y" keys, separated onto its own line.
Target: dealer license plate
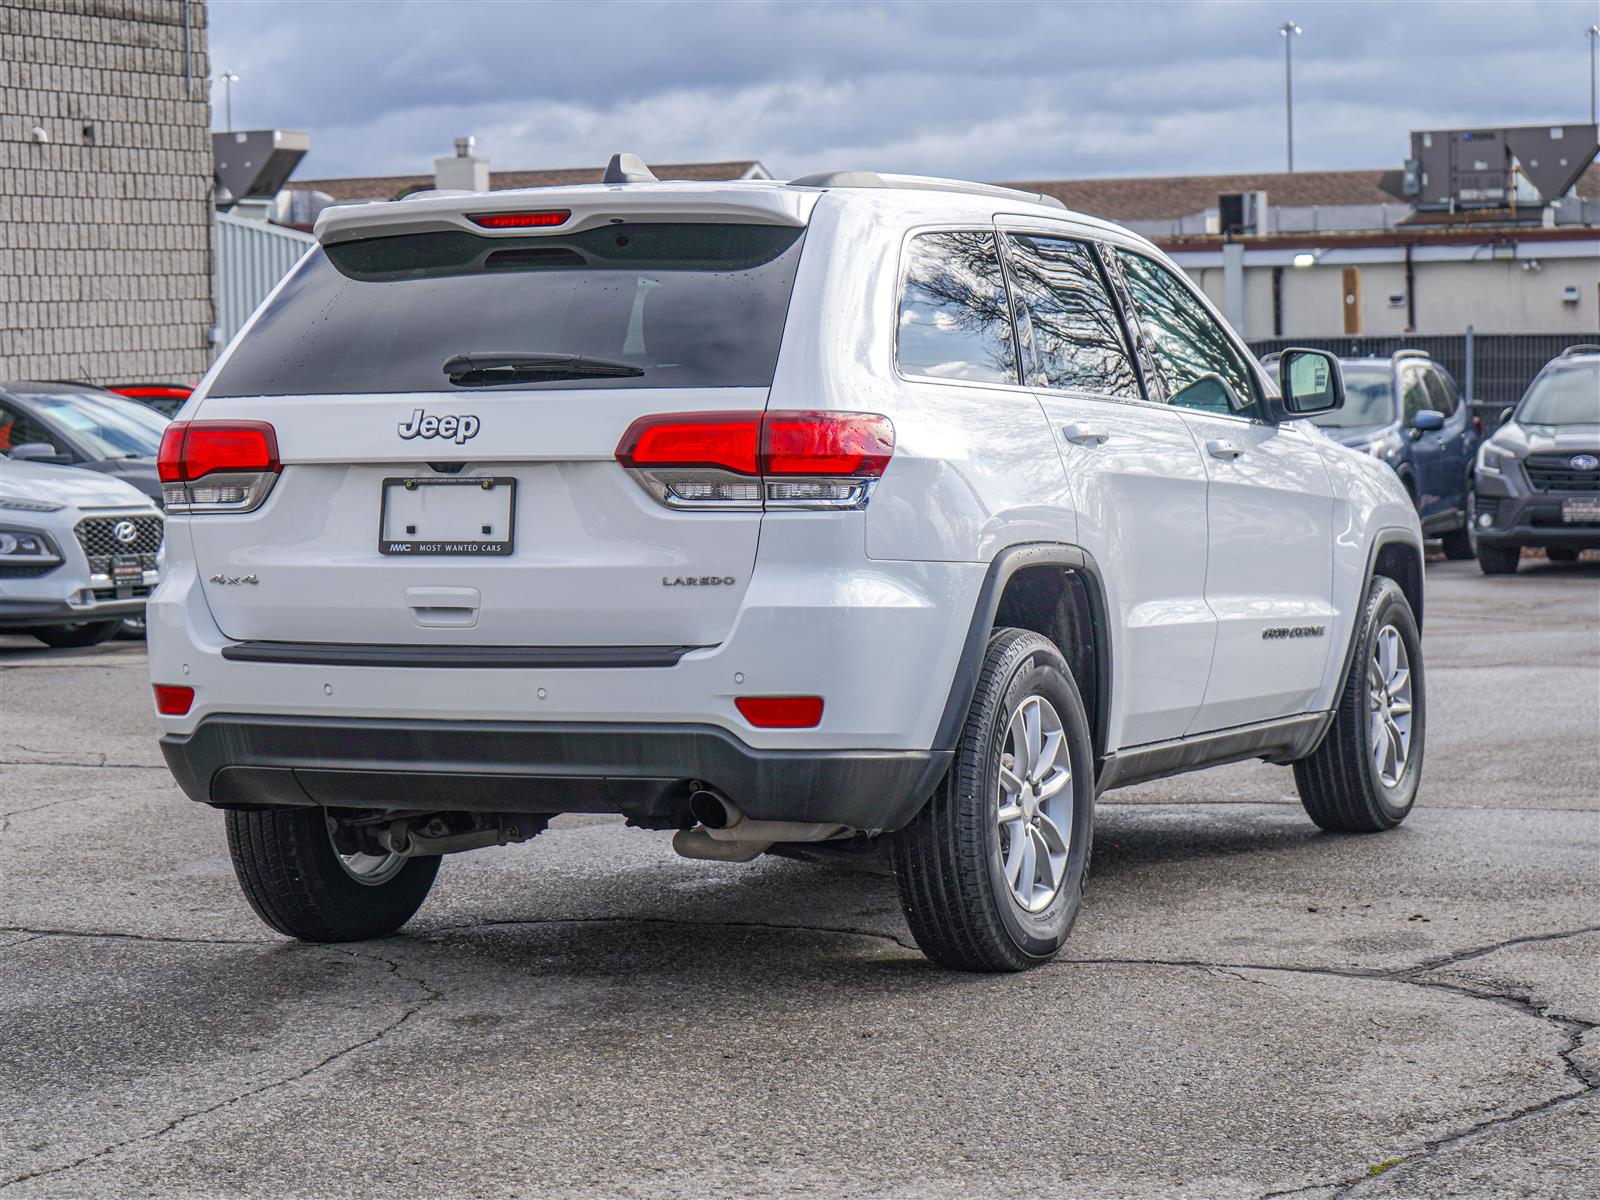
{"x": 1580, "y": 512}
{"x": 470, "y": 515}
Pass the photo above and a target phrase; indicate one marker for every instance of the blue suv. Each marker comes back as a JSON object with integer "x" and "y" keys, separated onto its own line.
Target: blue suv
{"x": 1407, "y": 410}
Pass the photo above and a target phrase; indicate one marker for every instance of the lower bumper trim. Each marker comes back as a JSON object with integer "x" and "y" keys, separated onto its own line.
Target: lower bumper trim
{"x": 236, "y": 761}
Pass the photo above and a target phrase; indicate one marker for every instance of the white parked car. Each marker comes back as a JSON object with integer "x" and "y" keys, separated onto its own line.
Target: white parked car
{"x": 769, "y": 513}
{"x": 78, "y": 552}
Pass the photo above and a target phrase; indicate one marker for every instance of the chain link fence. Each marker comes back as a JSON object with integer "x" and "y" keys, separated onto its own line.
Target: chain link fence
{"x": 1492, "y": 369}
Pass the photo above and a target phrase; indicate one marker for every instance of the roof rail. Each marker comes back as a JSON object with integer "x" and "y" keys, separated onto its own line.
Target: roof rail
{"x": 1574, "y": 351}
{"x": 926, "y": 183}
{"x": 1410, "y": 354}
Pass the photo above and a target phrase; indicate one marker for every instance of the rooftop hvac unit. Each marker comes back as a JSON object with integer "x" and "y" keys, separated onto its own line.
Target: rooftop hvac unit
{"x": 255, "y": 164}
{"x": 1242, "y": 213}
{"x": 1455, "y": 169}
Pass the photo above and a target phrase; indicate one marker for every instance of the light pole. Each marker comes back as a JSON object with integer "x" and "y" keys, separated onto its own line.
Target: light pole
{"x": 228, "y": 80}
{"x": 1593, "y": 34}
{"x": 1287, "y": 32}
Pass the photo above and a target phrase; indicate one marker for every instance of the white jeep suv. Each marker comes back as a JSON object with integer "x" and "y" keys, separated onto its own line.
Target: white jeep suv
{"x": 850, "y": 507}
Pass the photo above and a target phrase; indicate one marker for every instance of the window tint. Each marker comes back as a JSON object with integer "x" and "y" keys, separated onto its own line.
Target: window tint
{"x": 1188, "y": 344}
{"x": 17, "y": 428}
{"x": 1413, "y": 393}
{"x": 687, "y": 305}
{"x": 105, "y": 426}
{"x": 953, "y": 320}
{"x": 1076, "y": 335}
{"x": 1441, "y": 396}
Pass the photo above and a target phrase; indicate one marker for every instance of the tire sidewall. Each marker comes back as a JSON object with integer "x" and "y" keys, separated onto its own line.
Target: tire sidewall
{"x": 1042, "y": 672}
{"x": 1390, "y": 608}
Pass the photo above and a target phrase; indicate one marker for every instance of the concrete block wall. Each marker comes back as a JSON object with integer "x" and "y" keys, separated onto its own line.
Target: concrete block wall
{"x": 105, "y": 228}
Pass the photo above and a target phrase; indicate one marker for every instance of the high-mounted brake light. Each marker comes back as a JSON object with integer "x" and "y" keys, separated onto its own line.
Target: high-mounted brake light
{"x": 521, "y": 220}
{"x": 217, "y": 466}
{"x": 780, "y": 459}
{"x": 153, "y": 391}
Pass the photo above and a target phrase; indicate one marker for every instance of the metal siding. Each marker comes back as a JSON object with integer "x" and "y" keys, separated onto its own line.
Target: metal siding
{"x": 251, "y": 257}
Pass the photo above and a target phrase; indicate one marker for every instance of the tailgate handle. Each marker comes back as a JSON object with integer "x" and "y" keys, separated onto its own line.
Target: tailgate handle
{"x": 444, "y": 606}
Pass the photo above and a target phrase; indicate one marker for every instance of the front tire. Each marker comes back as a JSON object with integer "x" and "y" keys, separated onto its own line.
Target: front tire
{"x": 991, "y": 871}
{"x": 1499, "y": 560}
{"x": 298, "y": 882}
{"x": 84, "y": 633}
{"x": 1362, "y": 777}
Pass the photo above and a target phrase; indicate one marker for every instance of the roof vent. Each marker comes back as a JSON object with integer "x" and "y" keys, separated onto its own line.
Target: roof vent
{"x": 627, "y": 168}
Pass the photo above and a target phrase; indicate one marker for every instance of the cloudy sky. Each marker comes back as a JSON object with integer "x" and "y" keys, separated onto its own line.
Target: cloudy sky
{"x": 976, "y": 88}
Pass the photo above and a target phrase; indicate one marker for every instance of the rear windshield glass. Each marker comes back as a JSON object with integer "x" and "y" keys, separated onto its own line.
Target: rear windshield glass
{"x": 630, "y": 305}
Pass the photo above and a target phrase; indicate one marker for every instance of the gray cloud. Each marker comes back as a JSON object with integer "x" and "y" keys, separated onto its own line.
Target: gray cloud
{"x": 988, "y": 90}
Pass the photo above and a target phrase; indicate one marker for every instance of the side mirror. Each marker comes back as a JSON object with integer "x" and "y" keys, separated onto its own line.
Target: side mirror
{"x": 1427, "y": 420}
{"x": 1311, "y": 383}
{"x": 1505, "y": 417}
{"x": 37, "y": 452}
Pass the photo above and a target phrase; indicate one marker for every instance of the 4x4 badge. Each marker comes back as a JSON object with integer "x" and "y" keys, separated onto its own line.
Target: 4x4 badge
{"x": 457, "y": 428}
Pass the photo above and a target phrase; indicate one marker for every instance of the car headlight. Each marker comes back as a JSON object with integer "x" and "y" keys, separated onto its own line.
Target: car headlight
{"x": 24, "y": 548}
{"x": 1493, "y": 459}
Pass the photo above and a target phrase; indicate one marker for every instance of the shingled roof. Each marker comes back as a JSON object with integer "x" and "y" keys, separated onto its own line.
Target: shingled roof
{"x": 1170, "y": 197}
{"x": 389, "y": 187}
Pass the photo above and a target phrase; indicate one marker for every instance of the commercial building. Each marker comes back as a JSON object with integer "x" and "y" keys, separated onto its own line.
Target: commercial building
{"x": 105, "y": 190}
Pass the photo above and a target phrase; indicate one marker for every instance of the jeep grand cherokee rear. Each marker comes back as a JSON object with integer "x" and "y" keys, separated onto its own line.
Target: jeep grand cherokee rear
{"x": 468, "y": 523}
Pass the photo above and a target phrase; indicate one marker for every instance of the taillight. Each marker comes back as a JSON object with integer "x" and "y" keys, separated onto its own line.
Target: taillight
{"x": 781, "y": 712}
{"x": 173, "y": 700}
{"x": 521, "y": 220}
{"x": 217, "y": 466}
{"x": 752, "y": 460}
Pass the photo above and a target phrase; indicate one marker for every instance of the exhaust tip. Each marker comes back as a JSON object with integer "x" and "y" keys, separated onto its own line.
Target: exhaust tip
{"x": 711, "y": 809}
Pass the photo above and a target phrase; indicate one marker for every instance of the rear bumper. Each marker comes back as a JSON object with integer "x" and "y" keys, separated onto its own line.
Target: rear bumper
{"x": 538, "y": 767}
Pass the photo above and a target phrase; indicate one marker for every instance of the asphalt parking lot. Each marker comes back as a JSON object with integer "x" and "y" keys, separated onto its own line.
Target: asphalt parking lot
{"x": 1249, "y": 1007}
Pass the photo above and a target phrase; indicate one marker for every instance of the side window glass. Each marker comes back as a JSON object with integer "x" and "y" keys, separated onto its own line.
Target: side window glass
{"x": 1193, "y": 354}
{"x": 1413, "y": 394}
{"x": 1077, "y": 336}
{"x": 18, "y": 429}
{"x": 1440, "y": 395}
{"x": 953, "y": 319}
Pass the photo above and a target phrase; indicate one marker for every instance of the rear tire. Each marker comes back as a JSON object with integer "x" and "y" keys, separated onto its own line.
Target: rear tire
{"x": 85, "y": 633}
{"x": 298, "y": 883}
{"x": 983, "y": 891}
{"x": 1363, "y": 776}
{"x": 1561, "y": 554}
{"x": 1499, "y": 560}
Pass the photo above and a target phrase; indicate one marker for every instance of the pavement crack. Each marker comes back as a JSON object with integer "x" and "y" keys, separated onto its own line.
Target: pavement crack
{"x": 1461, "y": 956}
{"x": 117, "y": 936}
{"x": 431, "y": 995}
{"x": 102, "y": 765}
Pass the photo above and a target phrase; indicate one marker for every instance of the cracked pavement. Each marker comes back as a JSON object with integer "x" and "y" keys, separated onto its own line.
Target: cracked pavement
{"x": 1248, "y": 1007}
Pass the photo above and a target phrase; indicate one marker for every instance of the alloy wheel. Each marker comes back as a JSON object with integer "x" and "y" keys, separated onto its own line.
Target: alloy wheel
{"x": 1034, "y": 812}
{"x": 1389, "y": 705}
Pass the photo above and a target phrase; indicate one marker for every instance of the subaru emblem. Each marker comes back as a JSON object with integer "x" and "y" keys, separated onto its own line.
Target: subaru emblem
{"x": 1584, "y": 462}
{"x": 125, "y": 531}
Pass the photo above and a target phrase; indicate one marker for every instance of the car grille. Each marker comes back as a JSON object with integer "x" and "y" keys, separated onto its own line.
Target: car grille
{"x": 97, "y": 535}
{"x": 1555, "y": 473}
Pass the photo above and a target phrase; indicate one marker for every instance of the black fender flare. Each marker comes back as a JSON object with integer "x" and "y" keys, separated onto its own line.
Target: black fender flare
{"x": 1004, "y": 565}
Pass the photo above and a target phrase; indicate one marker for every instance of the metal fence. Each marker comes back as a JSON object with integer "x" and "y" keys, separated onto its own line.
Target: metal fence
{"x": 1492, "y": 369}
{"x": 251, "y": 257}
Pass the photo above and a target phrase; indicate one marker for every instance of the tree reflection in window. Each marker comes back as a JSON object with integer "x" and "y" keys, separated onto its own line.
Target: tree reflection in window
{"x": 1188, "y": 342}
{"x": 953, "y": 319}
{"x": 1077, "y": 338}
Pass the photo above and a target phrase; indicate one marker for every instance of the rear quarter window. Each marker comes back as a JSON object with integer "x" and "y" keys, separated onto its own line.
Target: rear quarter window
{"x": 689, "y": 305}
{"x": 953, "y": 321}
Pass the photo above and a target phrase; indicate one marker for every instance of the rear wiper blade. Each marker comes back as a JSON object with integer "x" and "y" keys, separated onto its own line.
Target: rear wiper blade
{"x": 485, "y": 367}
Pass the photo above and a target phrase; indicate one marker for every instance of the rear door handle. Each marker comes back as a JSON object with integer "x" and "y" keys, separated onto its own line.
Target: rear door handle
{"x": 1223, "y": 449}
{"x": 1080, "y": 434}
